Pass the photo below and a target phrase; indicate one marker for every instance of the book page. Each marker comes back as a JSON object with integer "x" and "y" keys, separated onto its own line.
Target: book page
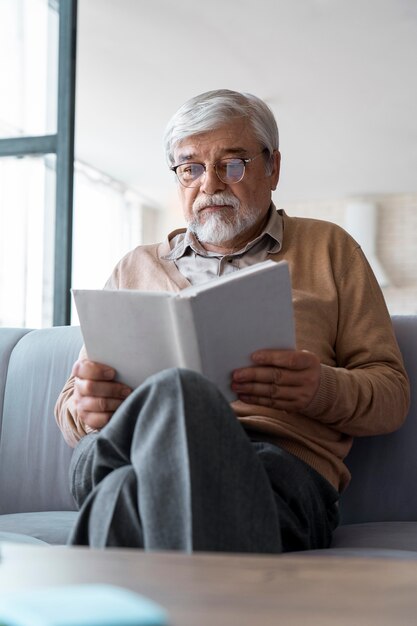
{"x": 128, "y": 330}
{"x": 188, "y": 348}
{"x": 234, "y": 317}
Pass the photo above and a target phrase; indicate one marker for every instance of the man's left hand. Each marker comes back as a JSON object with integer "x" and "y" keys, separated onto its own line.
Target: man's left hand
{"x": 282, "y": 379}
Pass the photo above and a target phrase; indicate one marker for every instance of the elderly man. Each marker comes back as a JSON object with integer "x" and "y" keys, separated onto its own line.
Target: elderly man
{"x": 171, "y": 465}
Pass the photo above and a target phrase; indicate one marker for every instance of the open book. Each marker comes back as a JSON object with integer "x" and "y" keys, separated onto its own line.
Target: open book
{"x": 211, "y": 328}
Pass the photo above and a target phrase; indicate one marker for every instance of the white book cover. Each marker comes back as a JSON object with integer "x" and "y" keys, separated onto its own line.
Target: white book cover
{"x": 211, "y": 328}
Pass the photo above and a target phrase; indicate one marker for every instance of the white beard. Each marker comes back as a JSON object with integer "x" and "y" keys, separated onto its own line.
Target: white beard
{"x": 222, "y": 226}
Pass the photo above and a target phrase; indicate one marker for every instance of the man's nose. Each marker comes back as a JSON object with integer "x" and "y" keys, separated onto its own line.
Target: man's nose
{"x": 210, "y": 182}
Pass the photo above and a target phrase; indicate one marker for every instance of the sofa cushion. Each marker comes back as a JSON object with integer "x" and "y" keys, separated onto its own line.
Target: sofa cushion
{"x": 34, "y": 457}
{"x": 52, "y": 527}
{"x": 8, "y": 339}
{"x": 18, "y": 538}
{"x": 365, "y": 553}
{"x": 384, "y": 467}
{"x": 386, "y": 535}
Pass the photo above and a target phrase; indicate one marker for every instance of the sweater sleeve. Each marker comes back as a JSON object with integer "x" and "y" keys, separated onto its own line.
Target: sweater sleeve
{"x": 367, "y": 391}
{"x": 71, "y": 426}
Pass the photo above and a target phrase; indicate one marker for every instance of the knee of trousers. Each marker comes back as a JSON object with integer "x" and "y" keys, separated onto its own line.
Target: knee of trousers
{"x": 179, "y": 394}
{"x": 202, "y": 406}
{"x": 188, "y": 384}
{"x": 188, "y": 379}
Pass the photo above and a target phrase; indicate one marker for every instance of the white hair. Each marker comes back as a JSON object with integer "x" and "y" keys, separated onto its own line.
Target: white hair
{"x": 212, "y": 109}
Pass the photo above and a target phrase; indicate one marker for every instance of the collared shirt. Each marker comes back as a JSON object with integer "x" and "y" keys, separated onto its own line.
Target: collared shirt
{"x": 199, "y": 265}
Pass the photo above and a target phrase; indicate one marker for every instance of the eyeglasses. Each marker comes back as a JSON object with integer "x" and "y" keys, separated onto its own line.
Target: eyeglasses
{"x": 229, "y": 171}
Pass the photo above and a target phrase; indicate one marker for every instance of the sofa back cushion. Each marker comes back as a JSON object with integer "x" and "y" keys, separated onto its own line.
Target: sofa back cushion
{"x": 34, "y": 458}
{"x": 384, "y": 468}
{"x": 8, "y": 339}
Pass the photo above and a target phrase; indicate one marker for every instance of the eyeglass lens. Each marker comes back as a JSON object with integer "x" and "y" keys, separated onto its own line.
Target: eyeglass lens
{"x": 231, "y": 170}
{"x": 228, "y": 170}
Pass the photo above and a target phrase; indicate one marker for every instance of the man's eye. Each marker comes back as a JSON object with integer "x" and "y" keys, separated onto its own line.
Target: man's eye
{"x": 193, "y": 170}
{"x": 232, "y": 166}
{"x": 185, "y": 171}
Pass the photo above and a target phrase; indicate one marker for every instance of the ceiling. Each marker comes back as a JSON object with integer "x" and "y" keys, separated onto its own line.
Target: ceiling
{"x": 340, "y": 76}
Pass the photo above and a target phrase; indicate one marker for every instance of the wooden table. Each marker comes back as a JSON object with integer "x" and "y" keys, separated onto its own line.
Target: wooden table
{"x": 226, "y": 590}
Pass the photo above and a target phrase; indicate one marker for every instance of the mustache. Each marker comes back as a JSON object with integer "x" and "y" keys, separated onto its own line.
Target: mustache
{"x": 219, "y": 199}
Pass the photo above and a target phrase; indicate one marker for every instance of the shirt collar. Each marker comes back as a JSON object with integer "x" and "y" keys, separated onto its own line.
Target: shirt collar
{"x": 184, "y": 241}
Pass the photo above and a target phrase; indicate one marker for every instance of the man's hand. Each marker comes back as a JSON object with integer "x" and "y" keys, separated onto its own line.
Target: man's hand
{"x": 281, "y": 379}
{"x": 96, "y": 394}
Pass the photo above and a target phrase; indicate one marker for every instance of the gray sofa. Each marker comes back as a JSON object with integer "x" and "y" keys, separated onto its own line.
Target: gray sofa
{"x": 35, "y": 501}
{"x": 378, "y": 510}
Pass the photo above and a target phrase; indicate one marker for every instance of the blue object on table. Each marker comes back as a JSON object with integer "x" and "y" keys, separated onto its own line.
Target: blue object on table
{"x": 79, "y": 605}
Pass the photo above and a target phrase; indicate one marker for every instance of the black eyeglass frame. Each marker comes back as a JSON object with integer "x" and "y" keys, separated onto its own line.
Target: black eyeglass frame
{"x": 245, "y": 162}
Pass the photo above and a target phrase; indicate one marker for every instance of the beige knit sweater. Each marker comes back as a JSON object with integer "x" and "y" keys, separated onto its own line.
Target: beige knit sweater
{"x": 340, "y": 315}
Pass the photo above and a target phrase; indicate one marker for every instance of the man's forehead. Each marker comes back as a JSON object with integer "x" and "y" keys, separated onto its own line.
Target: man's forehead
{"x": 235, "y": 139}
{"x": 190, "y": 151}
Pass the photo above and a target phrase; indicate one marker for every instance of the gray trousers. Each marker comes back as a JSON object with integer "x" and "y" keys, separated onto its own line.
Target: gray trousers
{"x": 174, "y": 470}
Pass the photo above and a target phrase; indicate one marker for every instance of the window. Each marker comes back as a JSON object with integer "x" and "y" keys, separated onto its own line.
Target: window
{"x": 27, "y": 204}
{"x": 37, "y": 38}
{"x": 28, "y": 67}
{"x": 108, "y": 222}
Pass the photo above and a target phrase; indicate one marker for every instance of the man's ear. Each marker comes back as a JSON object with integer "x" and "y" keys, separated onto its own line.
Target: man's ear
{"x": 276, "y": 156}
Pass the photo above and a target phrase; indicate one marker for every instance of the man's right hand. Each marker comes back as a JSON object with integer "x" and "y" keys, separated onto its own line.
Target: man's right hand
{"x": 96, "y": 394}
